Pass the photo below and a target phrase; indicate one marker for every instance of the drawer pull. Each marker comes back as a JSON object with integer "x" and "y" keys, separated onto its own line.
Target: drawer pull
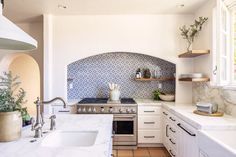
{"x": 172, "y": 141}
{"x": 149, "y": 122}
{"x": 167, "y": 130}
{"x": 149, "y": 111}
{"x": 171, "y": 153}
{"x": 191, "y": 134}
{"x": 172, "y": 130}
{"x": 149, "y": 136}
{"x": 165, "y": 113}
{"x": 63, "y": 111}
{"x": 172, "y": 119}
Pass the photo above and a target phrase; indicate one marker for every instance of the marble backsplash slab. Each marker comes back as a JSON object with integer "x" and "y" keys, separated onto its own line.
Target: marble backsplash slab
{"x": 225, "y": 98}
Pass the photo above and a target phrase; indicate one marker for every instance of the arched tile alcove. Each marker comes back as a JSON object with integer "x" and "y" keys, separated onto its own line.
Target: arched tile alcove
{"x": 89, "y": 77}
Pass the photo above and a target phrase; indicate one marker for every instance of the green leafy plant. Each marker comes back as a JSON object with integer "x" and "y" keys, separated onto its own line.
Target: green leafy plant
{"x": 11, "y": 96}
{"x": 156, "y": 94}
{"x": 189, "y": 33}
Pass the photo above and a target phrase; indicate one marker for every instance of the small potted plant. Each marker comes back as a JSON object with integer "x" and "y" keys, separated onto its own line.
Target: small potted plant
{"x": 156, "y": 94}
{"x": 191, "y": 32}
{"x": 11, "y": 110}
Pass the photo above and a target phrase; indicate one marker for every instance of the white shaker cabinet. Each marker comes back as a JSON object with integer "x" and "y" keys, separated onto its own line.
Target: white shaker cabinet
{"x": 165, "y": 127}
{"x": 179, "y": 138}
{"x": 187, "y": 140}
{"x": 169, "y": 134}
{"x": 149, "y": 124}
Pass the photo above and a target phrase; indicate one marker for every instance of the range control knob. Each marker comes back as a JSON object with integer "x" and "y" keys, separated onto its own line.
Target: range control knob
{"x": 110, "y": 109}
{"x": 132, "y": 111}
{"x": 89, "y": 109}
{"x": 84, "y": 109}
{"x": 127, "y": 110}
{"x": 79, "y": 109}
{"x": 120, "y": 110}
{"x": 102, "y": 109}
{"x": 94, "y": 110}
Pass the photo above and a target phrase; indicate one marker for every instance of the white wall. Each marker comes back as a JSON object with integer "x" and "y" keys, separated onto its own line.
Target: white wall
{"x": 77, "y": 37}
{"x": 35, "y": 29}
{"x": 203, "y": 64}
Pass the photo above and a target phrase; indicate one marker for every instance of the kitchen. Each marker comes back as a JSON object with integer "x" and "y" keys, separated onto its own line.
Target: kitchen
{"x": 108, "y": 60}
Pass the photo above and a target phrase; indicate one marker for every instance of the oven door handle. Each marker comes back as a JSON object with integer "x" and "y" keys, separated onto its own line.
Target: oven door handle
{"x": 124, "y": 117}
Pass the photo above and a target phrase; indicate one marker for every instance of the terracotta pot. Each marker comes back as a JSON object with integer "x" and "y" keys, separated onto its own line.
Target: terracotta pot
{"x": 10, "y": 126}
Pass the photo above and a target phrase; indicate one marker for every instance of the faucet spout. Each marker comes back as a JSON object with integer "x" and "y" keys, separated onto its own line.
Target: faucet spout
{"x": 54, "y": 99}
{"x": 38, "y": 124}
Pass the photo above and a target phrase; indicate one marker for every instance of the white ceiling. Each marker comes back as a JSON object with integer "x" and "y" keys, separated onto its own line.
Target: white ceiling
{"x": 30, "y": 10}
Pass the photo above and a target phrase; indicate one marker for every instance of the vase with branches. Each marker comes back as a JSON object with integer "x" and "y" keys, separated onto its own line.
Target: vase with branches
{"x": 189, "y": 33}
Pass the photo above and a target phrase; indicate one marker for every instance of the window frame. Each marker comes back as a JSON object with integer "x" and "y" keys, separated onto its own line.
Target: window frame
{"x": 218, "y": 56}
{"x": 233, "y": 48}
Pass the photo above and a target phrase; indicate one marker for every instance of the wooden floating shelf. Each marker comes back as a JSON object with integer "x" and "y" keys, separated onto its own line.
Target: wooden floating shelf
{"x": 205, "y": 79}
{"x": 156, "y": 79}
{"x": 194, "y": 53}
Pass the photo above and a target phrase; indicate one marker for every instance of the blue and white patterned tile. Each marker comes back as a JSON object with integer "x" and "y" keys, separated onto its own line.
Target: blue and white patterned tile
{"x": 91, "y": 75}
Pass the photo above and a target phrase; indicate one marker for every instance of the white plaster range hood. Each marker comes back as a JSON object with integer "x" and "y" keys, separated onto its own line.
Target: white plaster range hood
{"x": 12, "y": 37}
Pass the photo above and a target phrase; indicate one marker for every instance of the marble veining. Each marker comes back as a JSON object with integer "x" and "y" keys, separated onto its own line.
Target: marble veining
{"x": 225, "y": 98}
{"x": 100, "y": 123}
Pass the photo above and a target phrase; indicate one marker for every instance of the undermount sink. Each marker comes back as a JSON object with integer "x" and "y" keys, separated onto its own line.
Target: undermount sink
{"x": 70, "y": 139}
{"x": 218, "y": 143}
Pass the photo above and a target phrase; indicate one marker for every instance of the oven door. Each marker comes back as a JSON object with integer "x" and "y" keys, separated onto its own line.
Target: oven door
{"x": 125, "y": 129}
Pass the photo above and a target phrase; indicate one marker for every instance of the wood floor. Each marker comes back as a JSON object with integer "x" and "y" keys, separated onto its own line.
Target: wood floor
{"x": 142, "y": 152}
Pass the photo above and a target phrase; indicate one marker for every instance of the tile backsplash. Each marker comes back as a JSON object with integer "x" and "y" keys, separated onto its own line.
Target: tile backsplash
{"x": 89, "y": 77}
{"x": 225, "y": 98}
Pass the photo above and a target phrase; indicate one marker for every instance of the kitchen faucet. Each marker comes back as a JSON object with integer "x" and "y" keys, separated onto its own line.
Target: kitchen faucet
{"x": 38, "y": 125}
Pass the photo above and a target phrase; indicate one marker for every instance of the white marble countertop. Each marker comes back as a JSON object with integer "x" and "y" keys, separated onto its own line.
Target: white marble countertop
{"x": 100, "y": 123}
{"x": 185, "y": 112}
{"x": 151, "y": 102}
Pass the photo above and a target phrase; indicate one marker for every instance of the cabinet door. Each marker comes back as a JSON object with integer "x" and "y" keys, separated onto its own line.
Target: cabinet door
{"x": 165, "y": 127}
{"x": 187, "y": 140}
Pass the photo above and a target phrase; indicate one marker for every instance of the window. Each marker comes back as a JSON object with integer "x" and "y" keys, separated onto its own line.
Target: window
{"x": 224, "y": 59}
{"x": 234, "y": 44}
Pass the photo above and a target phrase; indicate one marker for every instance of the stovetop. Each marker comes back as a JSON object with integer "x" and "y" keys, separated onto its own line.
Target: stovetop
{"x": 105, "y": 100}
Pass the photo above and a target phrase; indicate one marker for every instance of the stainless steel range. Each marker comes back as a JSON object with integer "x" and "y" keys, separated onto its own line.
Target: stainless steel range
{"x": 124, "y": 122}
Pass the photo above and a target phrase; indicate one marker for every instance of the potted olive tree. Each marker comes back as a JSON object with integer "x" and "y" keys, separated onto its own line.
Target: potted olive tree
{"x": 11, "y": 110}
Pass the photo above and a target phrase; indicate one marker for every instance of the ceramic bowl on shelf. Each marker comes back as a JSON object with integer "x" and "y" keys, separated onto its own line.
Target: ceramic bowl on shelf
{"x": 167, "y": 97}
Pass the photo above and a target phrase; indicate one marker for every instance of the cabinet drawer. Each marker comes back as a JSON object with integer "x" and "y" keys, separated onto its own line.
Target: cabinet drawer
{"x": 165, "y": 113}
{"x": 172, "y": 130}
{"x": 149, "y": 122}
{"x": 149, "y": 136}
{"x": 149, "y": 110}
{"x": 172, "y": 143}
{"x": 172, "y": 118}
{"x": 172, "y": 152}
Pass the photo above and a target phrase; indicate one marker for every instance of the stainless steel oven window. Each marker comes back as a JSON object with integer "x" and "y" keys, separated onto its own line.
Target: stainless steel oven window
{"x": 125, "y": 127}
